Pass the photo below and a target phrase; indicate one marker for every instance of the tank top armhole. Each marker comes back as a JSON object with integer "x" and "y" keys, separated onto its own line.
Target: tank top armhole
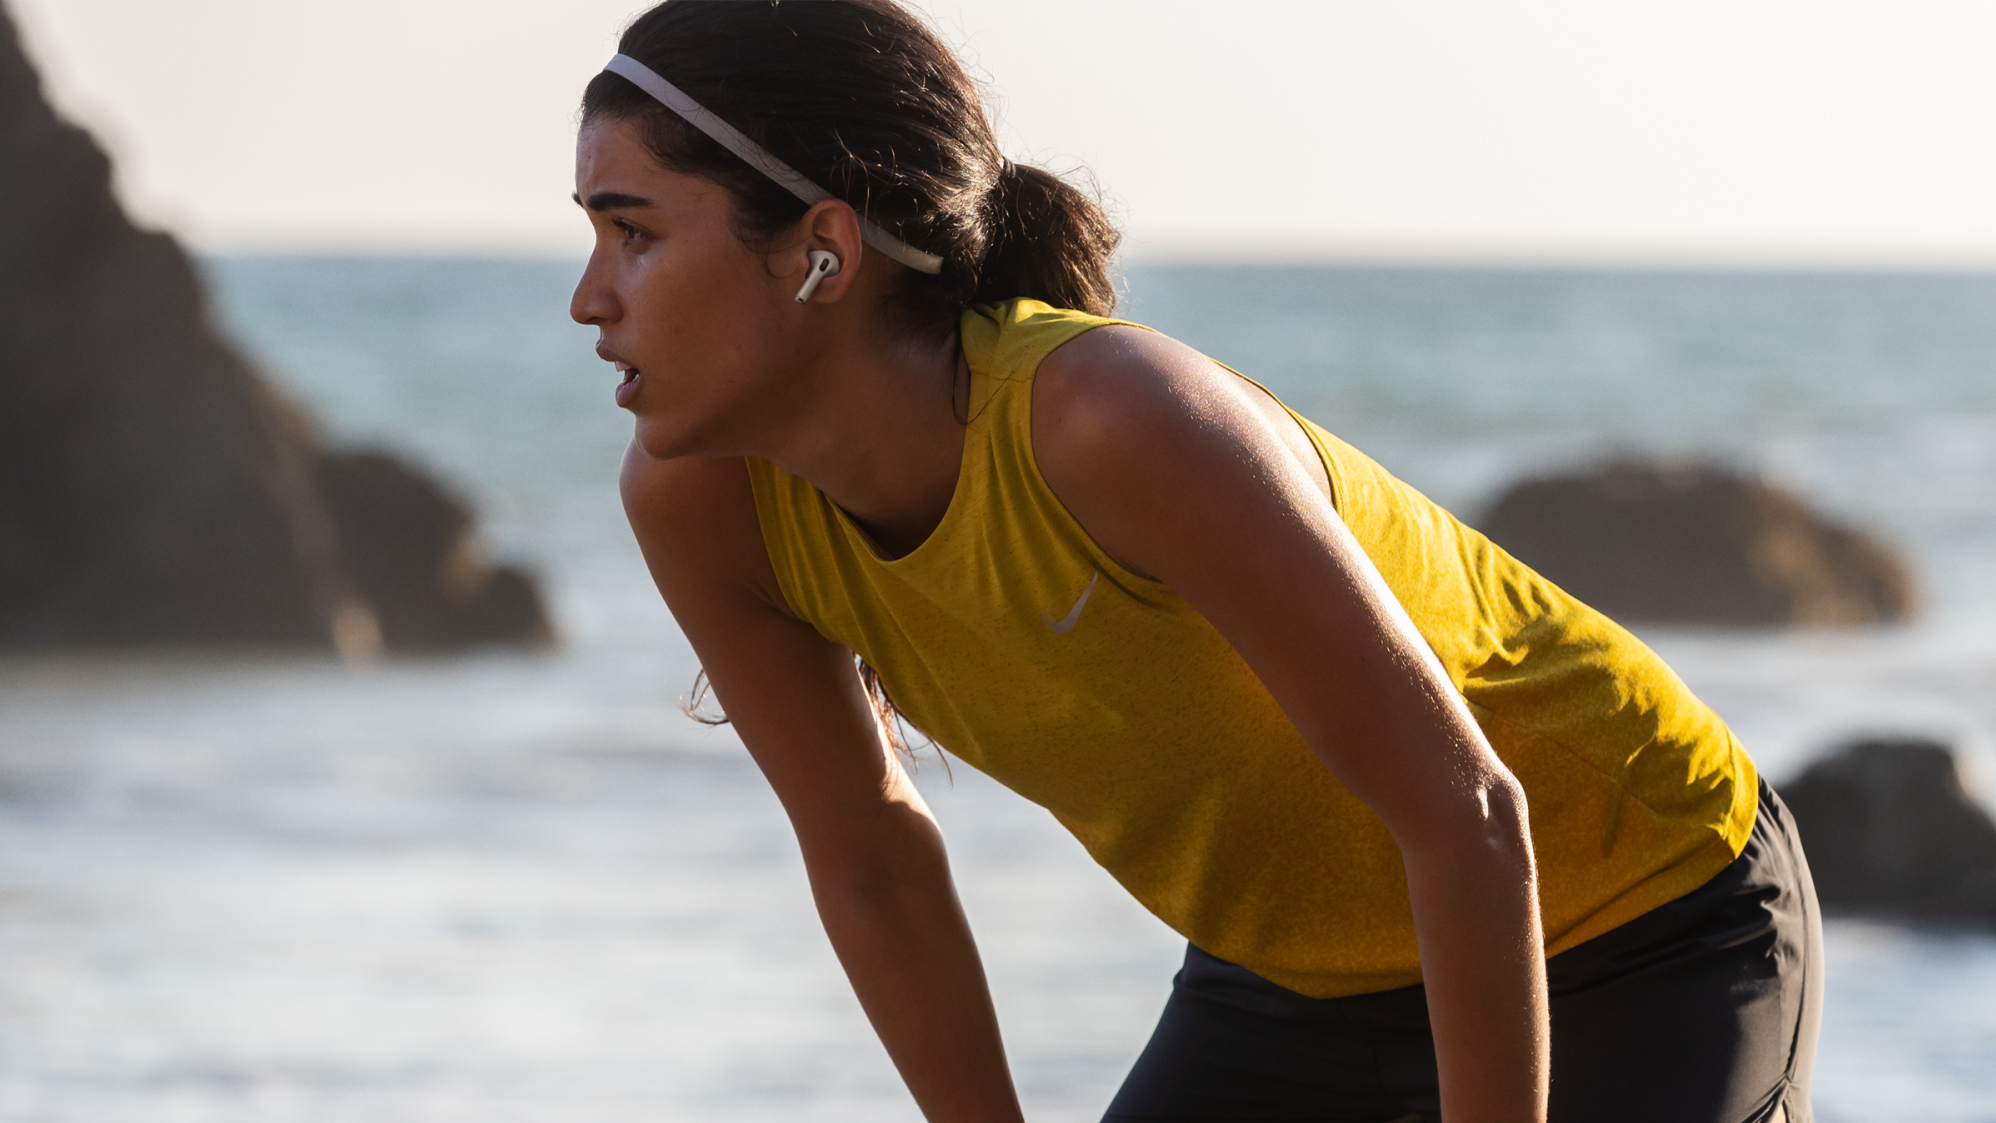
{"x": 1118, "y": 572}
{"x": 1330, "y": 462}
{"x": 1310, "y": 432}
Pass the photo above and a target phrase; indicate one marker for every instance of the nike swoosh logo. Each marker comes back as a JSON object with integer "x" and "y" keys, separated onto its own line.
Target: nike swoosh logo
{"x": 1065, "y": 624}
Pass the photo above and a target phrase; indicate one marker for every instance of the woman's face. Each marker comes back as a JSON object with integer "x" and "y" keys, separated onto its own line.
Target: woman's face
{"x": 695, "y": 321}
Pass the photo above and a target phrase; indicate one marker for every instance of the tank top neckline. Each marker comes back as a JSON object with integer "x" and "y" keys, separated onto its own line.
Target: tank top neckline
{"x": 958, "y": 500}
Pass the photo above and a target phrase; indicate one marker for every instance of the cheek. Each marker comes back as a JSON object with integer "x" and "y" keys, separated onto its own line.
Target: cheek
{"x": 705, "y": 313}
{"x": 715, "y": 346}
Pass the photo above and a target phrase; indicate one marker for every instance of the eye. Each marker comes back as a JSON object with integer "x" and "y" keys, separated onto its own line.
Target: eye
{"x": 632, "y": 234}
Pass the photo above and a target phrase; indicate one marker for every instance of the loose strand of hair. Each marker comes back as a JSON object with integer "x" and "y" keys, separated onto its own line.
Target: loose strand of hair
{"x": 695, "y": 707}
{"x": 894, "y": 725}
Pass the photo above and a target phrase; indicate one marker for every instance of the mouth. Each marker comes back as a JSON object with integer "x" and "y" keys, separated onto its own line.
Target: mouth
{"x": 627, "y": 387}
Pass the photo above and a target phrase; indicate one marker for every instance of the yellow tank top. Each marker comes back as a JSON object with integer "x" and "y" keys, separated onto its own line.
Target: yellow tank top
{"x": 1010, "y": 638}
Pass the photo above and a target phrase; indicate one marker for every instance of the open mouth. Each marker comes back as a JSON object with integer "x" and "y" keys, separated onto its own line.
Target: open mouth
{"x": 627, "y": 388}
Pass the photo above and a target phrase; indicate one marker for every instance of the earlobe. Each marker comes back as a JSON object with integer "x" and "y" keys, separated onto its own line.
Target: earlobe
{"x": 824, "y": 263}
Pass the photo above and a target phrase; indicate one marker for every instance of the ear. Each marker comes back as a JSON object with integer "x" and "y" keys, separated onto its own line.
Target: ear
{"x": 830, "y": 225}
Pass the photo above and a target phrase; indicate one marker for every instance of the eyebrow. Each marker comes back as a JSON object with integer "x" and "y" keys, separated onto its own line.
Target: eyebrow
{"x": 610, "y": 201}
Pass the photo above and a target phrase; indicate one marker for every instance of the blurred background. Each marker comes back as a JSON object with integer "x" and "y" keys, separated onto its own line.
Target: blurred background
{"x": 442, "y": 847}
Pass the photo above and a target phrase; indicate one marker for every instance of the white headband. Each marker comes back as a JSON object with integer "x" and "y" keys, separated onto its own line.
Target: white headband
{"x": 758, "y": 157}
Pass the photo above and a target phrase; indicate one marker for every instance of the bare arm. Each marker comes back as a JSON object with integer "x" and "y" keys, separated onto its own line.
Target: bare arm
{"x": 875, "y": 857}
{"x": 1171, "y": 464}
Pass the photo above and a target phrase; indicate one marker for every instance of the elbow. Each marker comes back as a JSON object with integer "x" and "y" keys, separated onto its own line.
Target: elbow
{"x": 868, "y": 889}
{"x": 864, "y": 905}
{"x": 1502, "y": 800}
{"x": 1483, "y": 822}
{"x": 879, "y": 877}
{"x": 1505, "y": 820}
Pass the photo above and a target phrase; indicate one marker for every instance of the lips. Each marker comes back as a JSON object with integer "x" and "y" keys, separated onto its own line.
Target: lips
{"x": 627, "y": 390}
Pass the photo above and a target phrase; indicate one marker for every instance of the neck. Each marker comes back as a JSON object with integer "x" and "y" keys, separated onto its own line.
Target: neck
{"x": 878, "y": 432}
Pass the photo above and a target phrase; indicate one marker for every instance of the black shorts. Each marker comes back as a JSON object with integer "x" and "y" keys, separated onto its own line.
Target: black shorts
{"x": 1702, "y": 1011}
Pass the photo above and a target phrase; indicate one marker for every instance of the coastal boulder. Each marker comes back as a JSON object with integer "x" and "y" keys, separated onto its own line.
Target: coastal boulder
{"x": 411, "y": 549}
{"x": 155, "y": 490}
{"x": 1889, "y": 827}
{"x": 1696, "y": 543}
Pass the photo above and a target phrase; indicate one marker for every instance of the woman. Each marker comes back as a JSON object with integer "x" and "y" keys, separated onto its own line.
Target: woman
{"x": 1444, "y": 842}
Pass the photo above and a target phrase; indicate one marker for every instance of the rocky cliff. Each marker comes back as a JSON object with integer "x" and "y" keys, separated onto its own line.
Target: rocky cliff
{"x": 153, "y": 488}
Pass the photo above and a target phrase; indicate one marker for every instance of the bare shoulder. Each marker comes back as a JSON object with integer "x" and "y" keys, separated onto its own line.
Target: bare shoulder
{"x": 1108, "y": 401}
{"x": 1123, "y": 416}
{"x": 695, "y": 520}
{"x": 1102, "y": 380}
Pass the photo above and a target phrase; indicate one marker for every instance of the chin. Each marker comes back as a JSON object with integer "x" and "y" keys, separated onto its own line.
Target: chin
{"x": 654, "y": 440}
{"x": 662, "y": 440}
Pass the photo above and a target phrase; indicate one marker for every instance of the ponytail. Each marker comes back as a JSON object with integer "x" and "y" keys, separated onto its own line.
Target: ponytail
{"x": 1047, "y": 241}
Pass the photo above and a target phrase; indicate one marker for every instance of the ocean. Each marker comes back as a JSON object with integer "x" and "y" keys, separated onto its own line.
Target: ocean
{"x": 522, "y": 886}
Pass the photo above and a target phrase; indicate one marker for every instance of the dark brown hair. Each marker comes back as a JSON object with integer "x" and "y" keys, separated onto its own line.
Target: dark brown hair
{"x": 862, "y": 99}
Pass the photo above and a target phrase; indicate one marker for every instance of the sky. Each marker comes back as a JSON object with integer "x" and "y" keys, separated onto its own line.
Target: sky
{"x": 1832, "y": 134}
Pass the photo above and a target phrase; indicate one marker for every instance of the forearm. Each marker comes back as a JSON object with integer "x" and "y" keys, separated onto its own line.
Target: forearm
{"x": 1475, "y": 900}
{"x": 905, "y": 944}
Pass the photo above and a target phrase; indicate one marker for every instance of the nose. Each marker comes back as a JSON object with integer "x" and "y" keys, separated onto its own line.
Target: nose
{"x": 595, "y": 299}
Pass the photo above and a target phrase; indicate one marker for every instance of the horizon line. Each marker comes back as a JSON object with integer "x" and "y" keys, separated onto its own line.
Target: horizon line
{"x": 1215, "y": 258}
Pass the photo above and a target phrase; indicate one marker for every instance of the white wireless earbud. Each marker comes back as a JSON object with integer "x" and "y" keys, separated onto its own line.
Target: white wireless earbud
{"x": 824, "y": 263}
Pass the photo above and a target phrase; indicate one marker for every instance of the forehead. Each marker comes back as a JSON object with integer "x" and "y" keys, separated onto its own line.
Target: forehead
{"x": 612, "y": 149}
{"x": 611, "y": 159}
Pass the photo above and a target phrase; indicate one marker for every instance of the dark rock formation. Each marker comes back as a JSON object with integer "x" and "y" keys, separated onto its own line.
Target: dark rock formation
{"x": 411, "y": 551}
{"x": 154, "y": 489}
{"x": 1697, "y": 544}
{"x": 1889, "y": 828}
